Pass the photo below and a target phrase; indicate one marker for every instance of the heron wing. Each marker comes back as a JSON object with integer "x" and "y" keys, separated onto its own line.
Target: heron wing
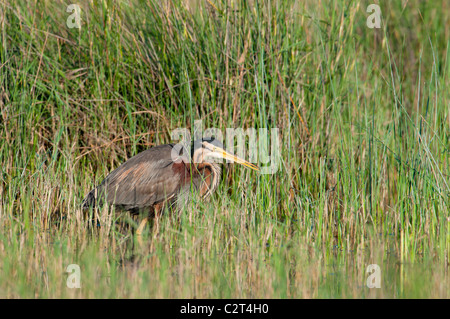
{"x": 144, "y": 180}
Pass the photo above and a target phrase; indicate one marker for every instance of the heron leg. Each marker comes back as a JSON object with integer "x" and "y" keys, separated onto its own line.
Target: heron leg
{"x": 158, "y": 213}
{"x": 141, "y": 226}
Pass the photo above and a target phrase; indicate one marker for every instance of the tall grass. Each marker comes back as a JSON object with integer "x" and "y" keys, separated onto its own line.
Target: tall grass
{"x": 363, "y": 117}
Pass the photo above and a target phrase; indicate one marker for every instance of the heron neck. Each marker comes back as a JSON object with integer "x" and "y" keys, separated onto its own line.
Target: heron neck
{"x": 215, "y": 172}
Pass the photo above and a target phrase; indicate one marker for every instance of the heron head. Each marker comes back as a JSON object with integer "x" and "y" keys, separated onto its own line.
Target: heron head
{"x": 209, "y": 147}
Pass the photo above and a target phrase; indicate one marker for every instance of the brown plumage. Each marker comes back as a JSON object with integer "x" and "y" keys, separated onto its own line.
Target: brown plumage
{"x": 161, "y": 176}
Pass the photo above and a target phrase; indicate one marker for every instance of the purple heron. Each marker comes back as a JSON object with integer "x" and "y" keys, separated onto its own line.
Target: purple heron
{"x": 162, "y": 176}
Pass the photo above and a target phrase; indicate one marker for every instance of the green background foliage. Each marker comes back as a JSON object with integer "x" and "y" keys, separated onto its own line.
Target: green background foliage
{"x": 363, "y": 117}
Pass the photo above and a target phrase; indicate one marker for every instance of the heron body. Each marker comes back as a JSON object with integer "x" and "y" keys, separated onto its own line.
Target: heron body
{"x": 162, "y": 176}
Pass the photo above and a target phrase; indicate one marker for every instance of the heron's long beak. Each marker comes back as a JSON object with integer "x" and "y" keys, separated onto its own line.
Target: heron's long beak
{"x": 224, "y": 154}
